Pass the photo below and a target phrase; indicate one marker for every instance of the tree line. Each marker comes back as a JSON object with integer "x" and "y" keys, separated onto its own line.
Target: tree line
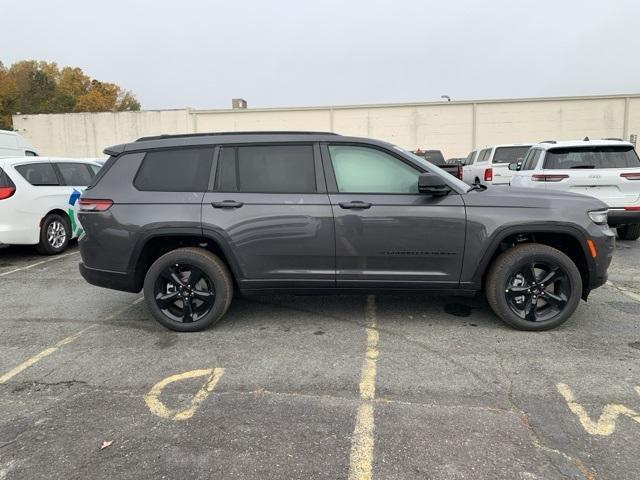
{"x": 32, "y": 86}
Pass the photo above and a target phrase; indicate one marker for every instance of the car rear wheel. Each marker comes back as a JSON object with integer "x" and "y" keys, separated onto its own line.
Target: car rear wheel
{"x": 534, "y": 287}
{"x": 55, "y": 234}
{"x": 188, "y": 289}
{"x": 629, "y": 232}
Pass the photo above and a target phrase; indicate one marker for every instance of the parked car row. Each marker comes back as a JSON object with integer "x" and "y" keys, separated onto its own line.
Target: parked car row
{"x": 605, "y": 169}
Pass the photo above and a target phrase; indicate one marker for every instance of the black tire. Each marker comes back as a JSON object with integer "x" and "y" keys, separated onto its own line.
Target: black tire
{"x": 178, "y": 302}
{"x": 550, "y": 287}
{"x": 55, "y": 234}
{"x": 629, "y": 232}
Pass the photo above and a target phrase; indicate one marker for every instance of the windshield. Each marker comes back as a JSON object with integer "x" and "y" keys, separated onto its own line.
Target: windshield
{"x": 430, "y": 167}
{"x": 510, "y": 154}
{"x": 592, "y": 157}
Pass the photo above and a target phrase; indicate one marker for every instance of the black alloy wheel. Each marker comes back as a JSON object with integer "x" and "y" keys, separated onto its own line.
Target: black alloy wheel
{"x": 184, "y": 293}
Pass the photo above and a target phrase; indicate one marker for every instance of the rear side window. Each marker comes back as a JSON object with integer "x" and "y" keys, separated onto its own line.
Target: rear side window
{"x": 75, "y": 174}
{"x": 38, "y": 174}
{"x": 484, "y": 155}
{"x": 267, "y": 169}
{"x": 183, "y": 170}
{"x": 469, "y": 159}
{"x": 510, "y": 154}
{"x": 591, "y": 157}
{"x": 532, "y": 159}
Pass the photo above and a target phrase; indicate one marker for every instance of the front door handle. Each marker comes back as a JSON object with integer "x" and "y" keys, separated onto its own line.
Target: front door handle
{"x": 227, "y": 204}
{"x": 355, "y": 205}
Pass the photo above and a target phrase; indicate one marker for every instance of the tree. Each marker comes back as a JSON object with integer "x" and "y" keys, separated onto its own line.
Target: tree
{"x": 41, "y": 87}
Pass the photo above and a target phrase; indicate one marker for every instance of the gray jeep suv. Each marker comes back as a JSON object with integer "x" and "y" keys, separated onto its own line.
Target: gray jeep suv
{"x": 192, "y": 218}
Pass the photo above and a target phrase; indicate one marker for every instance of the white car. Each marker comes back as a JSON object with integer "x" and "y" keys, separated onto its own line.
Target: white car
{"x": 490, "y": 166}
{"x": 15, "y": 145}
{"x": 39, "y": 200}
{"x": 605, "y": 169}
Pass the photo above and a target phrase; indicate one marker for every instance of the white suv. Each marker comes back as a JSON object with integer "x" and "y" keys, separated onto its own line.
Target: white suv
{"x": 490, "y": 166}
{"x": 38, "y": 200}
{"x": 605, "y": 169}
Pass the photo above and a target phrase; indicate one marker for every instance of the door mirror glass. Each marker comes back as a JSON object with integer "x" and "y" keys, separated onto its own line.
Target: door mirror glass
{"x": 515, "y": 166}
{"x": 431, "y": 184}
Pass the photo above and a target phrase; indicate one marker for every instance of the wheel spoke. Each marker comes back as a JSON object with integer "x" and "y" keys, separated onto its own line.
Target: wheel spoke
{"x": 530, "y": 309}
{"x": 552, "y": 277}
{"x": 195, "y": 274}
{"x": 187, "y": 310}
{"x": 513, "y": 292}
{"x": 529, "y": 274}
{"x": 558, "y": 301}
{"x": 164, "y": 301}
{"x": 206, "y": 297}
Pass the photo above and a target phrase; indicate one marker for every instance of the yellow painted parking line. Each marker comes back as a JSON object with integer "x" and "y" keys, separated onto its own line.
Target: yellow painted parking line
{"x": 48, "y": 351}
{"x": 152, "y": 399}
{"x": 362, "y": 440}
{"x": 605, "y": 425}
{"x": 42, "y": 262}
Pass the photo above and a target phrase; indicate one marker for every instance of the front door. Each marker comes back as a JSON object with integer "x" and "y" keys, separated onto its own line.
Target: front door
{"x": 269, "y": 205}
{"x": 388, "y": 234}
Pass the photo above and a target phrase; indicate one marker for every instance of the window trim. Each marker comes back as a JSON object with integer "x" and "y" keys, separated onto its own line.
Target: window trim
{"x": 332, "y": 184}
{"x": 321, "y": 185}
{"x": 153, "y": 150}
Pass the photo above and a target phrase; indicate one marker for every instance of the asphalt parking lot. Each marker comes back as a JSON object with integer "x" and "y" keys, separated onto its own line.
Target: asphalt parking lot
{"x": 383, "y": 387}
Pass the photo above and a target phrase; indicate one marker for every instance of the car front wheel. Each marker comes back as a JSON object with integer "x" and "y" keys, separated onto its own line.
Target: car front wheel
{"x": 629, "y": 232}
{"x": 533, "y": 287}
{"x": 188, "y": 289}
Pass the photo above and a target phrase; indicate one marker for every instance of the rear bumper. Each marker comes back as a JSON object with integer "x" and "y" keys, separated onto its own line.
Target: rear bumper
{"x": 620, "y": 216}
{"x": 125, "y": 282}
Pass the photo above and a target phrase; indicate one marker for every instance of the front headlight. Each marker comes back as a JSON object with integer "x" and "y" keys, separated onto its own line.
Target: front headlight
{"x": 599, "y": 217}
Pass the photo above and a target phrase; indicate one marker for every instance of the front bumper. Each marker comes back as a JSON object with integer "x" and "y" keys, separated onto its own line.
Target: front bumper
{"x": 620, "y": 216}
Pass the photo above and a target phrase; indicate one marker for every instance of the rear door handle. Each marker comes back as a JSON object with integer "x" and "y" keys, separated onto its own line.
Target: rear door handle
{"x": 355, "y": 205}
{"x": 227, "y": 204}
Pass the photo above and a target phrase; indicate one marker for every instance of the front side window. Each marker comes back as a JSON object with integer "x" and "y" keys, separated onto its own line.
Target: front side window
{"x": 179, "y": 170}
{"x": 38, "y": 174}
{"x": 469, "y": 160}
{"x": 267, "y": 169}
{"x": 367, "y": 170}
{"x": 75, "y": 174}
{"x": 532, "y": 159}
{"x": 484, "y": 155}
{"x": 591, "y": 157}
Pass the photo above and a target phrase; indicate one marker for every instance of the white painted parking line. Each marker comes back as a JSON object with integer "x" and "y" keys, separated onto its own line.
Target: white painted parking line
{"x": 65, "y": 341}
{"x": 42, "y": 262}
{"x": 625, "y": 291}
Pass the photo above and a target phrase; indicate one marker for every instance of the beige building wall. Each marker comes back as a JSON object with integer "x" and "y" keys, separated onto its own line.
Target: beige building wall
{"x": 453, "y": 127}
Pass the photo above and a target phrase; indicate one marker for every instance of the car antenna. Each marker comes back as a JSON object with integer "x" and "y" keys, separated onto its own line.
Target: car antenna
{"x": 586, "y": 139}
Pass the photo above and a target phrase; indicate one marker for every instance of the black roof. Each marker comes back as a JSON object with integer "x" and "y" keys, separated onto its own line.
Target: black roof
{"x": 221, "y": 138}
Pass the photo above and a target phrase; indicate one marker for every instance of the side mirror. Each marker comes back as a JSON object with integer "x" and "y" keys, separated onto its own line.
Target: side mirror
{"x": 515, "y": 166}
{"x": 431, "y": 184}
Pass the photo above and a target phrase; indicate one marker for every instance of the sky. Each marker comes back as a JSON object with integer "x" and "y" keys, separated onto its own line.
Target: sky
{"x": 201, "y": 54}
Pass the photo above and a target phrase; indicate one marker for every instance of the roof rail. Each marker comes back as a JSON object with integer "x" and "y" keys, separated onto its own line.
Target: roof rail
{"x": 548, "y": 141}
{"x": 613, "y": 138}
{"x": 209, "y": 134}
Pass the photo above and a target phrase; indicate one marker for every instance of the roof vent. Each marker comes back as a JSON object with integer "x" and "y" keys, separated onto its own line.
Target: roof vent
{"x": 238, "y": 104}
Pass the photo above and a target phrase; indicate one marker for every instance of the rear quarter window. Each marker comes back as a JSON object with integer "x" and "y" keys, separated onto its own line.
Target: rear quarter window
{"x": 179, "y": 170}
{"x": 5, "y": 181}
{"x": 38, "y": 174}
{"x": 591, "y": 158}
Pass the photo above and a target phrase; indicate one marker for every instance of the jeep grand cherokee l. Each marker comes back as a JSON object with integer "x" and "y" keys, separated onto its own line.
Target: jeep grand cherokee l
{"x": 190, "y": 219}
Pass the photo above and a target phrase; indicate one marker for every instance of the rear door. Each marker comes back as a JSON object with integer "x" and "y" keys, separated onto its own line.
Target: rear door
{"x": 598, "y": 171}
{"x": 269, "y": 205}
{"x": 387, "y": 234}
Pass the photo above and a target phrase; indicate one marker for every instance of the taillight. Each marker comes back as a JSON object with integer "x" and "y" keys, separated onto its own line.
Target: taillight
{"x": 459, "y": 172}
{"x": 543, "y": 177}
{"x": 631, "y": 176}
{"x": 632, "y": 209}
{"x": 93, "y": 205}
{"x": 488, "y": 174}
{"x": 6, "y": 192}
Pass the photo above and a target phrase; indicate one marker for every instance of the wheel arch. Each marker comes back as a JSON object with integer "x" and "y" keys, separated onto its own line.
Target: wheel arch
{"x": 566, "y": 238}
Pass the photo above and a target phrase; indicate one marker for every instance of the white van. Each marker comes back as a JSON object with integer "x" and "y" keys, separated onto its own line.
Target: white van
{"x": 15, "y": 145}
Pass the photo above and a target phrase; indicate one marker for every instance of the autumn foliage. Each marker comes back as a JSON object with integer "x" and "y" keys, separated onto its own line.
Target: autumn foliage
{"x": 41, "y": 87}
